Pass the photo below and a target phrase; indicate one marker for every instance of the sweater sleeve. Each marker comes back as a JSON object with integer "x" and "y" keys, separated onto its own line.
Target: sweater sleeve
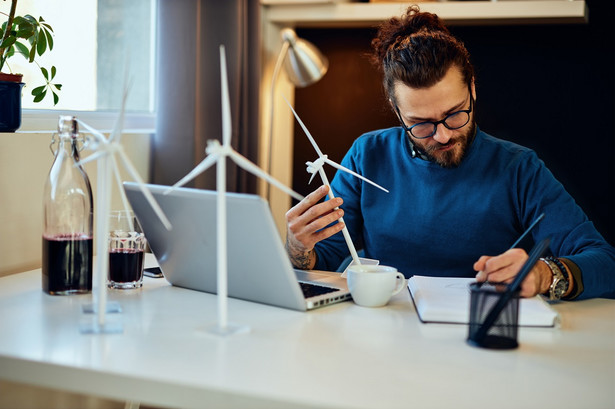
{"x": 573, "y": 235}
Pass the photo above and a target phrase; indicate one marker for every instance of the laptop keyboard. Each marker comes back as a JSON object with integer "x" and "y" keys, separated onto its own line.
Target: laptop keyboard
{"x": 312, "y": 290}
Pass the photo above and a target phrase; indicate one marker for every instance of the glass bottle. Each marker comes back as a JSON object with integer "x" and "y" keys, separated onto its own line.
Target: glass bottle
{"x": 68, "y": 218}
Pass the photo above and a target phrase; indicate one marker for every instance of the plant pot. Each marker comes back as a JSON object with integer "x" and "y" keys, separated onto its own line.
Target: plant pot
{"x": 10, "y": 102}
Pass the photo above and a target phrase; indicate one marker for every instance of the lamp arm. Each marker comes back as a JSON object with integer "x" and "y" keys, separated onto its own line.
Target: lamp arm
{"x": 276, "y": 71}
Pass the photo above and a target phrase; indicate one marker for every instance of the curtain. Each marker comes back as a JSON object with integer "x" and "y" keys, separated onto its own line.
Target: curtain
{"x": 189, "y": 87}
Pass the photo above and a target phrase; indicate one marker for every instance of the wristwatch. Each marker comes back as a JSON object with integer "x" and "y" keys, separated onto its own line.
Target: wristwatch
{"x": 560, "y": 282}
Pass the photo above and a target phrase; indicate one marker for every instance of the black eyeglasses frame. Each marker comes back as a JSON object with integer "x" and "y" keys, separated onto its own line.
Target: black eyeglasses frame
{"x": 435, "y": 123}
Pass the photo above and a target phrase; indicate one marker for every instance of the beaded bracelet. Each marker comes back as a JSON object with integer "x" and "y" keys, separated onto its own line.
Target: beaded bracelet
{"x": 559, "y": 265}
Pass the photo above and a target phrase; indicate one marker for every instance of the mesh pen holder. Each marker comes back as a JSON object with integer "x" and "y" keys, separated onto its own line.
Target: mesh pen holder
{"x": 503, "y": 333}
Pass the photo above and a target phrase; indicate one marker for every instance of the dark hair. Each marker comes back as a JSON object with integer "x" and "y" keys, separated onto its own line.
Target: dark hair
{"x": 418, "y": 50}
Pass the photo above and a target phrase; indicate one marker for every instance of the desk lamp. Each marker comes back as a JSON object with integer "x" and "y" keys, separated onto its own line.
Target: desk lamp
{"x": 304, "y": 65}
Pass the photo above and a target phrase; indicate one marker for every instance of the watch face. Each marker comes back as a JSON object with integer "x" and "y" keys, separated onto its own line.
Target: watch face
{"x": 560, "y": 288}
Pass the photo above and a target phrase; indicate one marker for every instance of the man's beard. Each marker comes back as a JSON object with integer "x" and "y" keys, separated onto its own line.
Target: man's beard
{"x": 453, "y": 157}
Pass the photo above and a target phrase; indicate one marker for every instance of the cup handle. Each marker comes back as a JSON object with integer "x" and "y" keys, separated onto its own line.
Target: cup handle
{"x": 401, "y": 285}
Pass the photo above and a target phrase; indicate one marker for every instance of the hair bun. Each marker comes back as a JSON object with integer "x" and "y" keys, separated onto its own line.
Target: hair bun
{"x": 397, "y": 29}
{"x": 414, "y": 20}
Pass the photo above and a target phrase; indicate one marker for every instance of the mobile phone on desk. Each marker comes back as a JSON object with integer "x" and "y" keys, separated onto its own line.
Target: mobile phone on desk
{"x": 154, "y": 272}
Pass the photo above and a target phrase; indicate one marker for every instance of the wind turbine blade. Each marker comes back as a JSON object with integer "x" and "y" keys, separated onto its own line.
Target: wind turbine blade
{"x": 198, "y": 169}
{"x": 116, "y": 133}
{"x": 118, "y": 180}
{"x": 92, "y": 157}
{"x": 309, "y": 135}
{"x": 344, "y": 169}
{"x": 146, "y": 192}
{"x": 255, "y": 170}
{"x": 226, "y": 103}
{"x": 312, "y": 177}
{"x": 98, "y": 135}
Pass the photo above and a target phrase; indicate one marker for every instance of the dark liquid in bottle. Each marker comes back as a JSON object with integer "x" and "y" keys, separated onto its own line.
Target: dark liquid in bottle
{"x": 67, "y": 264}
{"x": 125, "y": 265}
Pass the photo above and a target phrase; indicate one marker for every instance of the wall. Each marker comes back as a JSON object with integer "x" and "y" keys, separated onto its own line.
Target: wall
{"x": 548, "y": 87}
{"x": 25, "y": 160}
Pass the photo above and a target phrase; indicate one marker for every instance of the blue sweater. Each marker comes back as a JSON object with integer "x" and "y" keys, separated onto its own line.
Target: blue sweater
{"x": 437, "y": 221}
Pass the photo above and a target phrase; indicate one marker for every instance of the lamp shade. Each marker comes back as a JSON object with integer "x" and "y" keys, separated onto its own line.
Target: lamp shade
{"x": 304, "y": 64}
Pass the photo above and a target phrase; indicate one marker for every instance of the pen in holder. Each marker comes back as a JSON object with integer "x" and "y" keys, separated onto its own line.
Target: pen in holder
{"x": 502, "y": 334}
{"x": 494, "y": 309}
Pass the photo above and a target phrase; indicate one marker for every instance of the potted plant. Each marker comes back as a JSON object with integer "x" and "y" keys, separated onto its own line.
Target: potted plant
{"x": 27, "y": 37}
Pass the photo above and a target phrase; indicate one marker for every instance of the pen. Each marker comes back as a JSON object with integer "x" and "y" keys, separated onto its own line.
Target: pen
{"x": 529, "y": 229}
{"x": 534, "y": 255}
{"x": 525, "y": 233}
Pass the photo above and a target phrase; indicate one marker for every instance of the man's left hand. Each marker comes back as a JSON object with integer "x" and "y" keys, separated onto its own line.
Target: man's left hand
{"x": 504, "y": 268}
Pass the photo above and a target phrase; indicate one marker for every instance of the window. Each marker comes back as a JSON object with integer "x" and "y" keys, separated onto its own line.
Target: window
{"x": 95, "y": 43}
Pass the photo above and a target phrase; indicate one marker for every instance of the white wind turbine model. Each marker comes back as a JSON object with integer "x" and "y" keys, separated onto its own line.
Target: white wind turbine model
{"x": 317, "y": 167}
{"x": 105, "y": 155}
{"x": 217, "y": 153}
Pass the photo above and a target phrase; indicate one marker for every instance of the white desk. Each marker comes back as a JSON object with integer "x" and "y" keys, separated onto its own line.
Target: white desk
{"x": 341, "y": 356}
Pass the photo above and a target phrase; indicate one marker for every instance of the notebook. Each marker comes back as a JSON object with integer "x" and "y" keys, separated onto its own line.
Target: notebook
{"x": 447, "y": 300}
{"x": 259, "y": 269}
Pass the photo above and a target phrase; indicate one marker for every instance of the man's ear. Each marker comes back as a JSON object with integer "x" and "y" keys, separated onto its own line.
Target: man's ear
{"x": 473, "y": 89}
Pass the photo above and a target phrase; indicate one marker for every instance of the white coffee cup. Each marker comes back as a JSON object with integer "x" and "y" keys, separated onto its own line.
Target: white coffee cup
{"x": 374, "y": 285}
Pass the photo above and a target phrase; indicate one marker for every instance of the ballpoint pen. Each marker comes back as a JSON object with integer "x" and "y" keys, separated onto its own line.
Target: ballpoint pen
{"x": 529, "y": 229}
{"x": 525, "y": 233}
{"x": 496, "y": 310}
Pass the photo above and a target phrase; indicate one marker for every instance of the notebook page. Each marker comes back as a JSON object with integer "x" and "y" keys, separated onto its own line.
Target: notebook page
{"x": 447, "y": 300}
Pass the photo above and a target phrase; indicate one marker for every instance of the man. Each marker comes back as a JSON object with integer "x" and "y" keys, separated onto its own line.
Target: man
{"x": 459, "y": 198}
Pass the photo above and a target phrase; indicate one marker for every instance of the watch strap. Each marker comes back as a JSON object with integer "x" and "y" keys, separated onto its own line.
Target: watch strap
{"x": 560, "y": 278}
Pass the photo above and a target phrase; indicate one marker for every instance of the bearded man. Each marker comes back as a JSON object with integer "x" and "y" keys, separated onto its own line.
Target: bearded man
{"x": 458, "y": 197}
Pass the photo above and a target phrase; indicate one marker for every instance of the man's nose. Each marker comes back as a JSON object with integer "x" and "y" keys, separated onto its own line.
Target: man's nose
{"x": 443, "y": 134}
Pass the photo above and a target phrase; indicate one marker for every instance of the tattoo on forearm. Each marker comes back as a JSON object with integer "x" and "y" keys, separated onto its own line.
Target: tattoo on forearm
{"x": 300, "y": 259}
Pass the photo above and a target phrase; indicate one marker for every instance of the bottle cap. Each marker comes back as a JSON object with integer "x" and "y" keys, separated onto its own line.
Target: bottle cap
{"x": 67, "y": 124}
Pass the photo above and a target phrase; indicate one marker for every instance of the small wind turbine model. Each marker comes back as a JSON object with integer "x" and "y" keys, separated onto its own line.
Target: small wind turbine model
{"x": 217, "y": 154}
{"x": 105, "y": 151}
{"x": 317, "y": 167}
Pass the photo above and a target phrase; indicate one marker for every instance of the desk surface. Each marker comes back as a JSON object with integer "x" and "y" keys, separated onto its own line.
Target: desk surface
{"x": 341, "y": 356}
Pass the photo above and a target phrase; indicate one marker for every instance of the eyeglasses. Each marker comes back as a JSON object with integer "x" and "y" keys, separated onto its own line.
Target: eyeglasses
{"x": 426, "y": 129}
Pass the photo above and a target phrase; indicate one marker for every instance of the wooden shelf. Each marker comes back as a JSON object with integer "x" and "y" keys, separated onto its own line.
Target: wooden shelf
{"x": 348, "y": 14}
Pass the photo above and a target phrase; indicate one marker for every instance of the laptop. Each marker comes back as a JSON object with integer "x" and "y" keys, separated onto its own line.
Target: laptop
{"x": 259, "y": 269}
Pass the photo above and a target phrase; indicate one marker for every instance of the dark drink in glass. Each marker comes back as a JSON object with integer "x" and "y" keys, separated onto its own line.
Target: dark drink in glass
{"x": 126, "y": 268}
{"x": 126, "y": 251}
{"x": 67, "y": 264}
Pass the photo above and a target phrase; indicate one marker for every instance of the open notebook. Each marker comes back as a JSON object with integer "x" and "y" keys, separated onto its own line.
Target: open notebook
{"x": 447, "y": 300}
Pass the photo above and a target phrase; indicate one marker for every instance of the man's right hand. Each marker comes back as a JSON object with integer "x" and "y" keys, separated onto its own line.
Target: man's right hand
{"x": 306, "y": 224}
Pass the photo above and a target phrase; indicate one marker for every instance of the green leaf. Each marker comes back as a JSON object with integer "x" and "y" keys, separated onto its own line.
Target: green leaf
{"x": 49, "y": 39}
{"x": 31, "y": 19}
{"x": 53, "y": 72}
{"x": 25, "y": 32}
{"x": 55, "y": 98}
{"x": 45, "y": 73}
{"x": 9, "y": 41}
{"x": 41, "y": 43}
{"x": 25, "y": 29}
{"x": 40, "y": 96}
{"x": 32, "y": 53}
{"x": 58, "y": 86}
{"x": 38, "y": 90}
{"x": 22, "y": 49}
{"x": 47, "y": 27}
